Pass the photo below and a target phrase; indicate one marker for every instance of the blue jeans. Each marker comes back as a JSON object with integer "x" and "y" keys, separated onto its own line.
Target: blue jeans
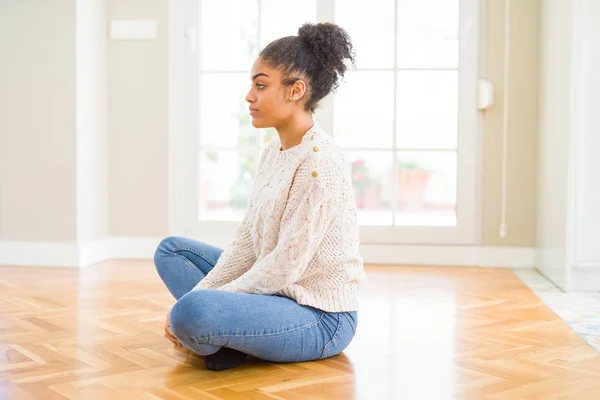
{"x": 272, "y": 328}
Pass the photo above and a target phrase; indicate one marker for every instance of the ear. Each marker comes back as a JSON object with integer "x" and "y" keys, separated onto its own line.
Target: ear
{"x": 298, "y": 90}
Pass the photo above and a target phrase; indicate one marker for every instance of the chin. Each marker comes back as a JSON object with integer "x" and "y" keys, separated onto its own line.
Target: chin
{"x": 258, "y": 123}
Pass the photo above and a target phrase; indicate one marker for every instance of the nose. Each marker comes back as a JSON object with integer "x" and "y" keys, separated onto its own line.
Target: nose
{"x": 250, "y": 98}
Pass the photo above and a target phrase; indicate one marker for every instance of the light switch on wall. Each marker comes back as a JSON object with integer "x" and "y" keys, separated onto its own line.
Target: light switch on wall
{"x": 133, "y": 29}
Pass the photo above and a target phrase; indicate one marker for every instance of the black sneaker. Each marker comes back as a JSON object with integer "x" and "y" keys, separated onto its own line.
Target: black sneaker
{"x": 224, "y": 359}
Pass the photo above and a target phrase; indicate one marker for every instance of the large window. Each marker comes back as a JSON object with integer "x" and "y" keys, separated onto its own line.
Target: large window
{"x": 231, "y": 34}
{"x": 405, "y": 116}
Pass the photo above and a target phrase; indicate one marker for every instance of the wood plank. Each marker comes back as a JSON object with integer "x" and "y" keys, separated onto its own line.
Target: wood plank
{"x": 423, "y": 332}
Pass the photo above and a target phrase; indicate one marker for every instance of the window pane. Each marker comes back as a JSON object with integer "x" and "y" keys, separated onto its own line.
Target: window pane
{"x": 426, "y": 188}
{"x": 364, "y": 110}
{"x": 224, "y": 117}
{"x": 228, "y": 34}
{"x": 372, "y": 180}
{"x": 428, "y": 33}
{"x": 266, "y": 135}
{"x": 283, "y": 18}
{"x": 371, "y": 28}
{"x": 226, "y": 178}
{"x": 427, "y": 113}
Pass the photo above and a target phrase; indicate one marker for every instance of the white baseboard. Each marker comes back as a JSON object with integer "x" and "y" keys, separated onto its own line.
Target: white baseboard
{"x": 585, "y": 279}
{"x": 39, "y": 254}
{"x": 588, "y": 264}
{"x": 71, "y": 255}
{"x": 126, "y": 248}
{"x": 507, "y": 257}
{"x": 118, "y": 248}
{"x": 501, "y": 257}
{"x": 94, "y": 252}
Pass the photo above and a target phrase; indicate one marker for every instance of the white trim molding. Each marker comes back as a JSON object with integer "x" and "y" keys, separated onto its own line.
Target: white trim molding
{"x": 95, "y": 252}
{"x": 506, "y": 257}
{"x": 587, "y": 264}
{"x": 585, "y": 279}
{"x": 71, "y": 255}
{"x": 117, "y": 248}
{"x": 126, "y": 248}
{"x": 39, "y": 254}
{"x": 472, "y": 256}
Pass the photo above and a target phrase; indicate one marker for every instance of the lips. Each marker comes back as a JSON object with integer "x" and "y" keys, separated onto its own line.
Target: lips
{"x": 253, "y": 111}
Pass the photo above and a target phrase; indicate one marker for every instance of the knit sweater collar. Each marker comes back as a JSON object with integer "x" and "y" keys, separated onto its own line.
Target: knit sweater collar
{"x": 311, "y": 137}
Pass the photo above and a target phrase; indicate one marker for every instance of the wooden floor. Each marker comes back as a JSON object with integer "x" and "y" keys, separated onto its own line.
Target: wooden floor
{"x": 424, "y": 333}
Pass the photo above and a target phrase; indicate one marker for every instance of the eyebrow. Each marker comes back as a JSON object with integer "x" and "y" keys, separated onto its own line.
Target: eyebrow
{"x": 259, "y": 74}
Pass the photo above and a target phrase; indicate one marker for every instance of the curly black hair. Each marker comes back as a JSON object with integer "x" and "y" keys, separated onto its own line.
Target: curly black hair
{"x": 318, "y": 53}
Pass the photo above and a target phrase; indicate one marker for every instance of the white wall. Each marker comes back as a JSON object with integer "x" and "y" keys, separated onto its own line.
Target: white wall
{"x": 587, "y": 206}
{"x": 138, "y": 122}
{"x": 569, "y": 144}
{"x": 92, "y": 157}
{"x": 138, "y": 104}
{"x": 53, "y": 151}
{"x": 522, "y": 105}
{"x": 37, "y": 120}
{"x": 51, "y": 164}
{"x": 553, "y": 141}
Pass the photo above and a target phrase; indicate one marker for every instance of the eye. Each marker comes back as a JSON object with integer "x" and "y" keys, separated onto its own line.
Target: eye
{"x": 260, "y": 86}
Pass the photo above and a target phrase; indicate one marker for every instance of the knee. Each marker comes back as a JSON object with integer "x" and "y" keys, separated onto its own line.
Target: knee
{"x": 190, "y": 323}
{"x": 166, "y": 247}
{"x": 189, "y": 318}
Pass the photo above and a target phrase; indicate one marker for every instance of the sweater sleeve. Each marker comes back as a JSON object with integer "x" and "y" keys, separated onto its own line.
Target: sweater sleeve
{"x": 308, "y": 214}
{"x": 238, "y": 257}
{"x": 233, "y": 262}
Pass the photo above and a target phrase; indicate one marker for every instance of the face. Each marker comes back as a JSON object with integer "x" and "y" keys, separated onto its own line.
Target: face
{"x": 269, "y": 100}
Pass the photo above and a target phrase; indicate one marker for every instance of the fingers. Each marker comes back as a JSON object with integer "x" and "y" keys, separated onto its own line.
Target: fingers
{"x": 169, "y": 335}
{"x": 173, "y": 340}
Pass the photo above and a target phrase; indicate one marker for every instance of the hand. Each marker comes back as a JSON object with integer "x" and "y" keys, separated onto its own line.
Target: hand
{"x": 168, "y": 333}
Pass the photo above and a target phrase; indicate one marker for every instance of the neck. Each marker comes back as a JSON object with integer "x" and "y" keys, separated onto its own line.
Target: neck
{"x": 291, "y": 133}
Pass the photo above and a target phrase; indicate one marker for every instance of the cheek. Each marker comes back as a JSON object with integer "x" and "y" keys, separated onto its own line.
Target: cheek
{"x": 273, "y": 104}
{"x": 282, "y": 103}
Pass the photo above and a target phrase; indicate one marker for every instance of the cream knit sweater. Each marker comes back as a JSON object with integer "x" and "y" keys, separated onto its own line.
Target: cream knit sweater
{"x": 299, "y": 237}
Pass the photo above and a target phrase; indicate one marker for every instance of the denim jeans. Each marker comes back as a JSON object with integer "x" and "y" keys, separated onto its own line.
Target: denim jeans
{"x": 272, "y": 328}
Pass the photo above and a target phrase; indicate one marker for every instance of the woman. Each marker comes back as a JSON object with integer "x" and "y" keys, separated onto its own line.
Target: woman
{"x": 286, "y": 289}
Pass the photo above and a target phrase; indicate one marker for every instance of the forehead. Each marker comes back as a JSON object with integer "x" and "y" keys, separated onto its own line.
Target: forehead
{"x": 260, "y": 67}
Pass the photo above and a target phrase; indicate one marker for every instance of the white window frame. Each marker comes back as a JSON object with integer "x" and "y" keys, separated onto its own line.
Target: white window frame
{"x": 183, "y": 137}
